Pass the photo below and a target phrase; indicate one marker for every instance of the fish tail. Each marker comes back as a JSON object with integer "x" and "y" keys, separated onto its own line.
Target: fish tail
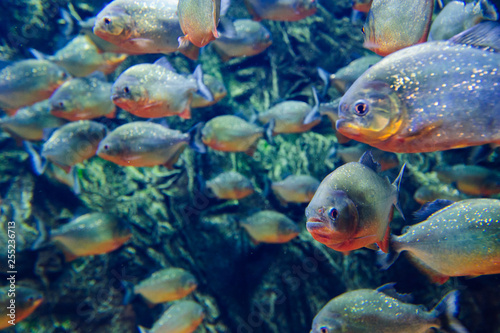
{"x": 397, "y": 183}
{"x": 314, "y": 114}
{"x": 268, "y": 131}
{"x": 142, "y": 329}
{"x": 38, "y": 163}
{"x": 183, "y": 42}
{"x": 488, "y": 10}
{"x": 325, "y": 77}
{"x": 195, "y": 141}
{"x": 129, "y": 292}
{"x": 43, "y": 235}
{"x": 385, "y": 260}
{"x": 446, "y": 311}
{"x": 77, "y": 189}
{"x": 37, "y": 54}
{"x": 202, "y": 88}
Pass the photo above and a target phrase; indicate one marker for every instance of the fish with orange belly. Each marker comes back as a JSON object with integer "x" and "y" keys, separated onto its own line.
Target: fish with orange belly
{"x": 429, "y": 97}
{"x": 353, "y": 207}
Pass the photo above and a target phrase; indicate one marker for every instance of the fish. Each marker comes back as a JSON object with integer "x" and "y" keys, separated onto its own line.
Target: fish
{"x": 145, "y": 144}
{"x": 234, "y": 134}
{"x": 142, "y": 27}
{"x": 345, "y": 77}
{"x": 413, "y": 100}
{"x": 244, "y": 38}
{"x": 83, "y": 99}
{"x": 470, "y": 179}
{"x": 331, "y": 110}
{"x": 26, "y": 82}
{"x": 458, "y": 16}
{"x": 295, "y": 188}
{"x": 383, "y": 311}
{"x": 156, "y": 91}
{"x": 70, "y": 144}
{"x": 281, "y": 10}
{"x": 454, "y": 239}
{"x": 60, "y": 176}
{"x": 23, "y": 300}
{"x": 268, "y": 226}
{"x": 349, "y": 154}
{"x": 81, "y": 57}
{"x": 392, "y": 25}
{"x": 181, "y": 317}
{"x": 217, "y": 89}
{"x": 353, "y": 206}
{"x": 430, "y": 193}
{"x": 292, "y": 116}
{"x": 230, "y": 185}
{"x": 362, "y": 5}
{"x": 198, "y": 20}
{"x": 166, "y": 285}
{"x": 29, "y": 122}
{"x": 86, "y": 235}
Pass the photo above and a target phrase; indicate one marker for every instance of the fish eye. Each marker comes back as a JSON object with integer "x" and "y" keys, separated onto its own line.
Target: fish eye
{"x": 323, "y": 329}
{"x": 361, "y": 107}
{"x": 106, "y": 147}
{"x": 107, "y": 21}
{"x": 30, "y": 299}
{"x": 334, "y": 213}
{"x": 61, "y": 105}
{"x": 126, "y": 90}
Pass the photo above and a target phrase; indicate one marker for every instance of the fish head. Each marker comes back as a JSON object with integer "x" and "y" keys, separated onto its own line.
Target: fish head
{"x": 28, "y": 298}
{"x": 189, "y": 282}
{"x": 62, "y": 101}
{"x": 113, "y": 148}
{"x": 113, "y": 23}
{"x": 327, "y": 323}
{"x": 332, "y": 217}
{"x": 370, "y": 111}
{"x": 128, "y": 93}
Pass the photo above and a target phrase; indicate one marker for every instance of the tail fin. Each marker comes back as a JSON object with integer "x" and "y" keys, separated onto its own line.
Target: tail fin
{"x": 39, "y": 163}
{"x": 43, "y": 235}
{"x": 385, "y": 260}
{"x": 37, "y": 54}
{"x": 488, "y": 10}
{"x": 325, "y": 77}
{"x": 314, "y": 114}
{"x": 142, "y": 329}
{"x": 195, "y": 141}
{"x": 129, "y": 292}
{"x": 447, "y": 310}
{"x": 397, "y": 183}
{"x": 268, "y": 131}
{"x": 202, "y": 88}
{"x": 77, "y": 188}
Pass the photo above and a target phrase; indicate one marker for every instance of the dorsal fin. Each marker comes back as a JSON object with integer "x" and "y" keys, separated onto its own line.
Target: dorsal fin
{"x": 390, "y": 291}
{"x": 430, "y": 208}
{"x": 163, "y": 62}
{"x": 485, "y": 34}
{"x": 368, "y": 161}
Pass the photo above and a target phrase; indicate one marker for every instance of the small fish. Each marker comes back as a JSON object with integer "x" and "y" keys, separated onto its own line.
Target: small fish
{"x": 144, "y": 144}
{"x": 70, "y": 144}
{"x": 230, "y": 185}
{"x": 27, "y": 82}
{"x": 155, "y": 90}
{"x": 268, "y": 226}
{"x": 234, "y": 134}
{"x": 181, "y": 317}
{"x": 217, "y": 89}
{"x": 386, "y": 159}
{"x": 26, "y": 301}
{"x": 245, "y": 38}
{"x": 83, "y": 99}
{"x": 166, "y": 285}
{"x": 392, "y": 25}
{"x": 362, "y": 5}
{"x": 385, "y": 311}
{"x": 29, "y": 122}
{"x": 292, "y": 116}
{"x": 345, "y": 77}
{"x": 296, "y": 188}
{"x": 458, "y": 16}
{"x": 142, "y": 27}
{"x": 281, "y": 10}
{"x": 331, "y": 110}
{"x": 407, "y": 102}
{"x": 353, "y": 206}
{"x": 429, "y": 193}
{"x": 198, "y": 20}
{"x": 455, "y": 239}
{"x": 86, "y": 235}
{"x": 55, "y": 173}
{"x": 81, "y": 57}
{"x": 470, "y": 179}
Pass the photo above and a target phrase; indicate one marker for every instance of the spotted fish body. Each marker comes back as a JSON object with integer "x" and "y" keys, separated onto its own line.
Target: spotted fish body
{"x": 392, "y": 25}
{"x": 268, "y": 226}
{"x": 462, "y": 239}
{"x": 198, "y": 20}
{"x": 296, "y": 188}
{"x": 230, "y": 185}
{"x": 181, "y": 317}
{"x": 142, "y": 26}
{"x": 289, "y": 117}
{"x": 424, "y": 98}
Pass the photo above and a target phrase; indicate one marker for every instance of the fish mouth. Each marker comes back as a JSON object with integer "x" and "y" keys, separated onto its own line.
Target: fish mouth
{"x": 116, "y": 97}
{"x": 315, "y": 225}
